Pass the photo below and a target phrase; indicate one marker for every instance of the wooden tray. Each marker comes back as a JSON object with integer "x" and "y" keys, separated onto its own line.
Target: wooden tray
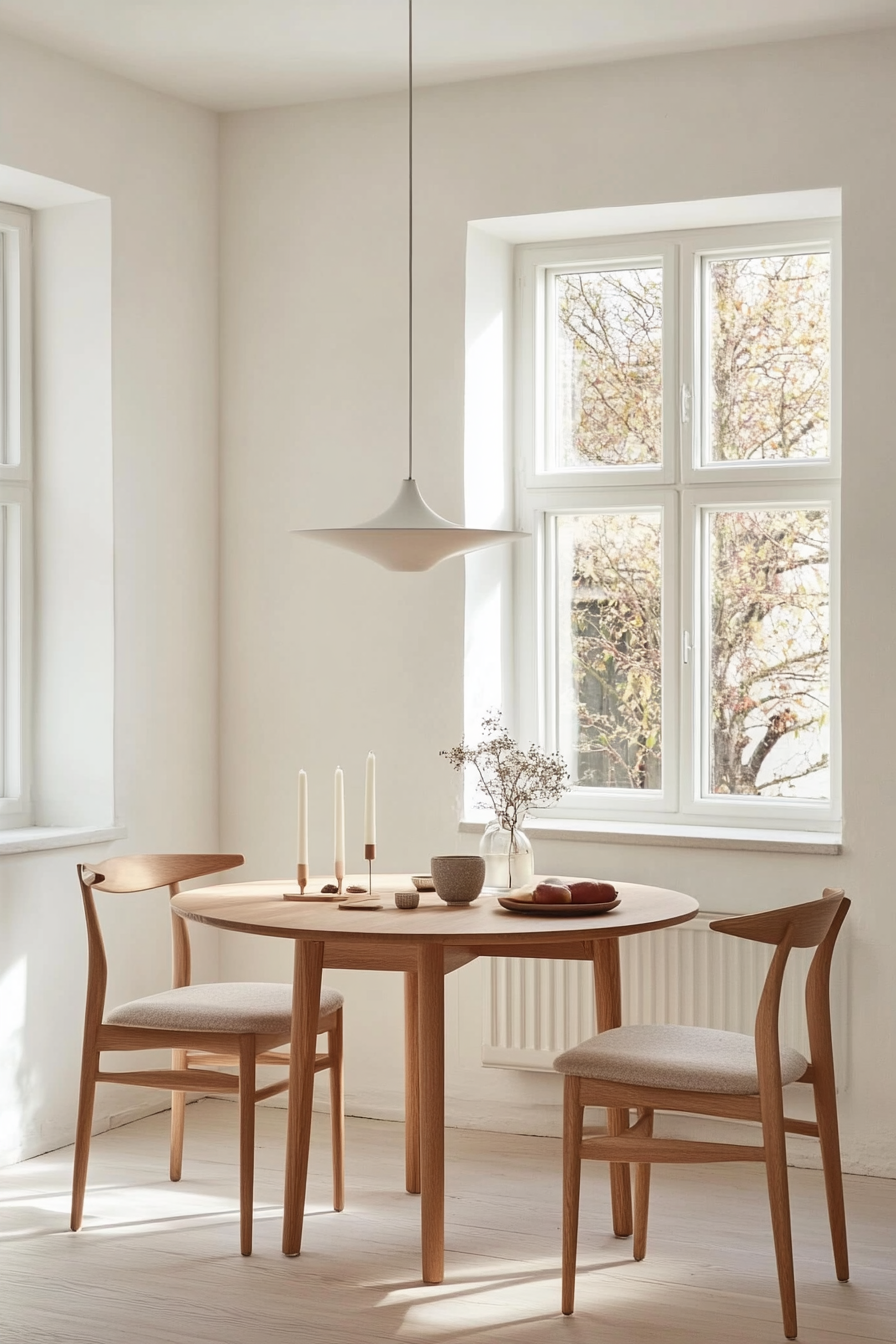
{"x": 566, "y": 908}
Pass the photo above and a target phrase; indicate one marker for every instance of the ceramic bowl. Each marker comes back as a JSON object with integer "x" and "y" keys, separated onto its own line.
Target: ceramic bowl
{"x": 458, "y": 878}
{"x": 423, "y": 882}
{"x": 407, "y": 900}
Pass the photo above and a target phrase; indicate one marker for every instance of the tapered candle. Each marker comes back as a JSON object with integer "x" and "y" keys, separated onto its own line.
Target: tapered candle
{"x": 370, "y": 808}
{"x": 302, "y": 858}
{"x": 339, "y": 828}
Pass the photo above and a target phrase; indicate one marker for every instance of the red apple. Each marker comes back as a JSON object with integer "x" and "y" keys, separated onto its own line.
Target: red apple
{"x": 552, "y": 893}
{"x": 588, "y": 892}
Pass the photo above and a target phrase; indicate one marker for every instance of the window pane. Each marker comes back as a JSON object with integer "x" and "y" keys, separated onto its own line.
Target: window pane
{"x": 608, "y": 372}
{"x": 770, "y": 355}
{"x": 769, "y": 646}
{"x": 609, "y": 647}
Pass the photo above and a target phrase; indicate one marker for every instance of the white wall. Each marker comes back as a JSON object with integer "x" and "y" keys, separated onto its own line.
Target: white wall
{"x": 325, "y": 656}
{"x": 155, "y": 162}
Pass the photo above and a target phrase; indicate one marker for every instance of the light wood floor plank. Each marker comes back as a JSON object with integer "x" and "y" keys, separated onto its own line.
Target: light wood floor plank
{"x": 159, "y": 1264}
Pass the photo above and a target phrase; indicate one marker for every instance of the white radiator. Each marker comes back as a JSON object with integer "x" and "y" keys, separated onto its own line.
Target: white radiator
{"x": 687, "y": 975}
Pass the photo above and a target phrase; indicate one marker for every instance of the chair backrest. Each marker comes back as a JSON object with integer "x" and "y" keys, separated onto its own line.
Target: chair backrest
{"x": 143, "y": 872}
{"x": 131, "y": 873}
{"x": 811, "y": 924}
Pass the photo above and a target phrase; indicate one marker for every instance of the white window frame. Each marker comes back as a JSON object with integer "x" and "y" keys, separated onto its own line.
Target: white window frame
{"x": 16, "y": 516}
{"x": 684, "y": 485}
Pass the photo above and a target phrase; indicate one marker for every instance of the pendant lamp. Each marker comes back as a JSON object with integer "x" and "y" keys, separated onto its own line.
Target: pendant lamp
{"x": 410, "y": 535}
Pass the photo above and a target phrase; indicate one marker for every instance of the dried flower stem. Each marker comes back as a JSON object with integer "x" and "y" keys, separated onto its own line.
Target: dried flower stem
{"x": 511, "y": 779}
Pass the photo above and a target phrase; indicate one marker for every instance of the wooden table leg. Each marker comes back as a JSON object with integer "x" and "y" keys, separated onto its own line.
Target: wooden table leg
{"x": 307, "y": 966}
{"x": 411, "y": 1085}
{"x": 431, "y": 987}
{"x": 608, "y": 1001}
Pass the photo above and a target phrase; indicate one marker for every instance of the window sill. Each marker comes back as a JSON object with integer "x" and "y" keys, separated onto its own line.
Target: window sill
{"x": 678, "y": 837}
{"x": 28, "y": 838}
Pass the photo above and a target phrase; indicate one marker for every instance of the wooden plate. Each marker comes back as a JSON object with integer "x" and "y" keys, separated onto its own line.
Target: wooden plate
{"x": 564, "y": 908}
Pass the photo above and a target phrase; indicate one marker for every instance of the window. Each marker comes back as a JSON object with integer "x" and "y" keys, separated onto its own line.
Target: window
{"x": 15, "y": 513}
{"x": 677, "y": 429}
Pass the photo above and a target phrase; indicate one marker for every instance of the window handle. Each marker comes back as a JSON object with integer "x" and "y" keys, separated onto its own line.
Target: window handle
{"x": 685, "y": 404}
{"x": 686, "y": 647}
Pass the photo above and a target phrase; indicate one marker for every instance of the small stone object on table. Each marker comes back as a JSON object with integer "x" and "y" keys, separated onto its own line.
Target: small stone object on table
{"x": 407, "y": 900}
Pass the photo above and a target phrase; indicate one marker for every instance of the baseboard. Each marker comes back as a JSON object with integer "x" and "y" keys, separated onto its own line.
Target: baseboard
{"x": 55, "y": 1137}
{"x": 546, "y": 1121}
{"x": 543, "y": 1121}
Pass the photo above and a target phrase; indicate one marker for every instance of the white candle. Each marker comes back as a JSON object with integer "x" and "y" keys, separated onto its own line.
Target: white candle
{"x": 370, "y": 801}
{"x": 339, "y": 823}
{"x": 303, "y": 819}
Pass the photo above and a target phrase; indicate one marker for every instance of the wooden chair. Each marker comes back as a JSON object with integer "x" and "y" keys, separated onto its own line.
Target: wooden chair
{"x": 204, "y": 1026}
{"x": 720, "y": 1074}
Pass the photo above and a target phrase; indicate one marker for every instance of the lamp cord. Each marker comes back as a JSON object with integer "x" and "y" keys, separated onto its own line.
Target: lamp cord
{"x": 410, "y": 240}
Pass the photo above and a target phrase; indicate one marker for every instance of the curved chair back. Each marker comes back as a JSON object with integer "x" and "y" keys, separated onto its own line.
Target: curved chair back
{"x": 131, "y": 873}
{"x": 811, "y": 924}
{"x": 804, "y": 925}
{"x": 143, "y": 872}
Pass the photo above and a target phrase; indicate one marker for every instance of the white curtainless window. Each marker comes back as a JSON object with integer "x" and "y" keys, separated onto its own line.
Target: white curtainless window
{"x": 677, "y": 433}
{"x": 15, "y": 515}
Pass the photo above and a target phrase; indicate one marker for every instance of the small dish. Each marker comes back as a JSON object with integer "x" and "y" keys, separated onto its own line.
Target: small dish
{"x": 424, "y": 882}
{"x": 407, "y": 900}
{"x": 568, "y": 908}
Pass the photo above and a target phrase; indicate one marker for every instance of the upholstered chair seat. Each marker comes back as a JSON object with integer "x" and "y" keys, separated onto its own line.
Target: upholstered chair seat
{"x": 239, "y": 1007}
{"x": 694, "y": 1059}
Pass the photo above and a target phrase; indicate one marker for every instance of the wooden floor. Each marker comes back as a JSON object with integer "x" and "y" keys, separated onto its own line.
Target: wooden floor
{"x": 157, "y": 1262}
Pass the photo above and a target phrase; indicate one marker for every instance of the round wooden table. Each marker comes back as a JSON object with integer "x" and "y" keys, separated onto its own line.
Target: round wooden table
{"x": 426, "y": 944}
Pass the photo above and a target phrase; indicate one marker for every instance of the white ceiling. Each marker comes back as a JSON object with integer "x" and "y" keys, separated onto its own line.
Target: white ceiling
{"x": 229, "y": 54}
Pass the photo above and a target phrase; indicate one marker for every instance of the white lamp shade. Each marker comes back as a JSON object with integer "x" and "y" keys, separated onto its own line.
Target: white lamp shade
{"x": 409, "y": 536}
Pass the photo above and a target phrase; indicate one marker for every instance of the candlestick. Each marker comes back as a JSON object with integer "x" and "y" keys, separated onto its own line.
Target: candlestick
{"x": 370, "y": 801}
{"x": 339, "y": 828}
{"x": 302, "y": 855}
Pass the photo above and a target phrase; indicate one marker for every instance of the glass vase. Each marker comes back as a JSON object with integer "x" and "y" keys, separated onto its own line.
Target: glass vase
{"x": 507, "y": 851}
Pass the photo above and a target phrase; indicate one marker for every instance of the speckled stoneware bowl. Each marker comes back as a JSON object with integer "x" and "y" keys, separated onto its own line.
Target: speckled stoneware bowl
{"x": 458, "y": 878}
{"x": 407, "y": 900}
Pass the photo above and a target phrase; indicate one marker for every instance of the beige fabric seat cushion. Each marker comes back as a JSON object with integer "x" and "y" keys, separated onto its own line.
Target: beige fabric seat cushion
{"x": 693, "y": 1059}
{"x": 240, "y": 1006}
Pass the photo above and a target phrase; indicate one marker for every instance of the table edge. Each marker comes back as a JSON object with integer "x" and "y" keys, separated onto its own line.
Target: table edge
{"x": 577, "y": 933}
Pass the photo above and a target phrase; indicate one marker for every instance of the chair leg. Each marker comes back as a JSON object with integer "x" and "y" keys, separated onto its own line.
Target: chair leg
{"x": 642, "y": 1194}
{"x": 247, "y": 1140}
{"x": 573, "y": 1116}
{"x": 779, "y": 1204}
{"x": 337, "y": 1113}
{"x": 829, "y": 1137}
{"x": 89, "y": 1066}
{"x": 178, "y": 1111}
{"x": 620, "y": 1181}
